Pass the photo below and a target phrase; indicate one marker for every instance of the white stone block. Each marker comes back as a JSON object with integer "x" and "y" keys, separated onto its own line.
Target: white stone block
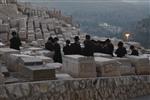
{"x": 125, "y": 66}
{"x": 79, "y": 66}
{"x": 13, "y": 64}
{"x": 63, "y": 77}
{"x": 5, "y": 53}
{"x": 106, "y": 67}
{"x": 22, "y": 35}
{"x": 45, "y": 59}
{"x": 102, "y": 55}
{"x": 41, "y": 42}
{"x": 39, "y": 35}
{"x": 31, "y": 37}
{"x": 141, "y": 64}
{"x": 4, "y": 37}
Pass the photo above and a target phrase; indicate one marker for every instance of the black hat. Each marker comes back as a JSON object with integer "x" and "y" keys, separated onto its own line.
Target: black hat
{"x": 76, "y": 38}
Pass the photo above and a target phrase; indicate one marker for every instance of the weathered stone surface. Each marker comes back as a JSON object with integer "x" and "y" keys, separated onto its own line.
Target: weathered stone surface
{"x": 1, "y": 78}
{"x": 45, "y": 59}
{"x": 102, "y": 55}
{"x": 107, "y": 67}
{"x": 5, "y": 53}
{"x": 4, "y": 71}
{"x": 13, "y": 64}
{"x": 42, "y": 72}
{"x": 125, "y": 66}
{"x": 141, "y": 64}
{"x": 115, "y": 88}
{"x": 79, "y": 66}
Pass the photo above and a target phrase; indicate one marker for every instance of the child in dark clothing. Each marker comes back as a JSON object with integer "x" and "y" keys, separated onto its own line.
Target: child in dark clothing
{"x": 121, "y": 51}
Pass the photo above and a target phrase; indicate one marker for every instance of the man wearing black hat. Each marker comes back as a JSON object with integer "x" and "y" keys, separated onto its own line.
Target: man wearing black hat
{"x": 75, "y": 47}
{"x": 88, "y": 49}
{"x": 15, "y": 42}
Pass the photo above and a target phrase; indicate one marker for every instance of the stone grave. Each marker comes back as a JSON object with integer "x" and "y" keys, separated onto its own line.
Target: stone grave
{"x": 63, "y": 76}
{"x": 102, "y": 55}
{"x": 106, "y": 67}
{"x": 4, "y": 71}
{"x": 45, "y": 59}
{"x": 141, "y": 64}
{"x": 13, "y": 64}
{"x": 5, "y": 52}
{"x": 39, "y": 72}
{"x": 125, "y": 66}
{"x": 79, "y": 66}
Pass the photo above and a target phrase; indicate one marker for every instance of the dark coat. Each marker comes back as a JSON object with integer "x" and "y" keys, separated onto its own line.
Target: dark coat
{"x": 135, "y": 53}
{"x": 67, "y": 50}
{"x": 57, "y": 53}
{"x": 121, "y": 52}
{"x": 75, "y": 48}
{"x": 49, "y": 46}
{"x": 88, "y": 49}
{"x": 109, "y": 49}
{"x": 15, "y": 43}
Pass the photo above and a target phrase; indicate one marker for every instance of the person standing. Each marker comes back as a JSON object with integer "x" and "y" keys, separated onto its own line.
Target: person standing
{"x": 88, "y": 49}
{"x": 121, "y": 51}
{"x": 109, "y": 47}
{"x": 57, "y": 51}
{"x": 15, "y": 41}
{"x": 75, "y": 47}
{"x": 49, "y": 45}
{"x": 66, "y": 48}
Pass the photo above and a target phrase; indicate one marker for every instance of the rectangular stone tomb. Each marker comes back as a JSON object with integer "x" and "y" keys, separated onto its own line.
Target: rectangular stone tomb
{"x": 31, "y": 37}
{"x": 107, "y": 67}
{"x": 79, "y": 66}
{"x": 45, "y": 59}
{"x": 5, "y": 52}
{"x": 102, "y": 55}
{"x": 13, "y": 64}
{"x": 4, "y": 71}
{"x": 23, "y": 35}
{"x": 30, "y": 61}
{"x": 4, "y": 37}
{"x": 141, "y": 64}
{"x": 39, "y": 72}
{"x": 125, "y": 66}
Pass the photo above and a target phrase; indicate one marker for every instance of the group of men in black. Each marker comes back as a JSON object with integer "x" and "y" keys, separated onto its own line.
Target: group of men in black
{"x": 90, "y": 46}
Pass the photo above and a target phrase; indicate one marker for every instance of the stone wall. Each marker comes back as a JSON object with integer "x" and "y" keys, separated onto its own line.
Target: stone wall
{"x": 117, "y": 88}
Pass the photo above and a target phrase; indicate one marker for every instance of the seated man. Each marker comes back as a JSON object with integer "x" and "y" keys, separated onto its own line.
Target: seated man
{"x": 134, "y": 51}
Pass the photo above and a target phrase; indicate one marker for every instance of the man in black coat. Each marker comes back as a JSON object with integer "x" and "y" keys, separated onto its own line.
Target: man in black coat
{"x": 57, "y": 51}
{"x": 88, "y": 49}
{"x": 134, "y": 51}
{"x": 49, "y": 45}
{"x": 109, "y": 47}
{"x": 15, "y": 41}
{"x": 66, "y": 48}
{"x": 75, "y": 47}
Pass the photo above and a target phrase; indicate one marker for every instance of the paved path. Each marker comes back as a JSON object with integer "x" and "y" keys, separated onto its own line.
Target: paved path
{"x": 142, "y": 98}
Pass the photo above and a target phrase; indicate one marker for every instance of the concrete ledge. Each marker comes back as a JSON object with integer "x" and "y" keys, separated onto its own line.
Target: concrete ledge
{"x": 115, "y": 88}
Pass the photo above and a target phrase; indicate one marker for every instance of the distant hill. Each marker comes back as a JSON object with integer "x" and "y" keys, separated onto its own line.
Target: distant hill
{"x": 142, "y": 31}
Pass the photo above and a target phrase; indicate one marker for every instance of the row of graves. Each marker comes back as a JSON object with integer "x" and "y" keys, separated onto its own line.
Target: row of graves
{"x": 32, "y": 64}
{"x": 36, "y": 30}
{"x": 36, "y": 64}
